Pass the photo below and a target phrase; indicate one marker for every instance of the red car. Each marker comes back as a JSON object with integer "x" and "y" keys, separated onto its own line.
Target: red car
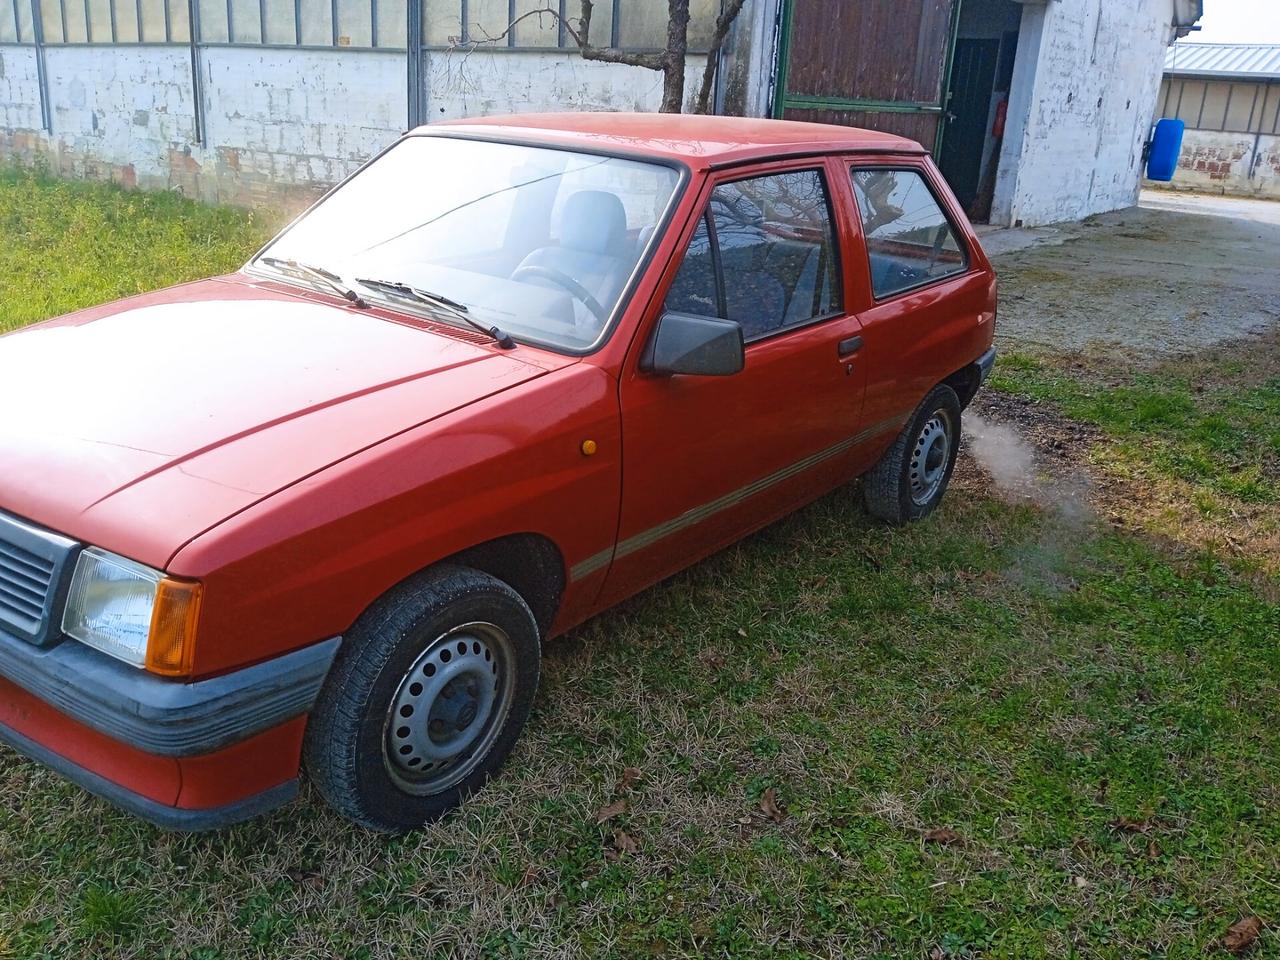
{"x": 324, "y": 511}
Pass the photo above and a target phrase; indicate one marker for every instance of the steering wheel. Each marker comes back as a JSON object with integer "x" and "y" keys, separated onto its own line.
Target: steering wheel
{"x": 566, "y": 282}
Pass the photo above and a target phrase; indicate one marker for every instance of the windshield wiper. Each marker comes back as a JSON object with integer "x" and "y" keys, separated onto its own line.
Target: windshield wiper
{"x": 327, "y": 277}
{"x": 455, "y": 309}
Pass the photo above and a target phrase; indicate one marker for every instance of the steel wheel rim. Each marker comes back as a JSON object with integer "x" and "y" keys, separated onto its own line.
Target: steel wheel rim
{"x": 929, "y": 457}
{"x": 449, "y": 708}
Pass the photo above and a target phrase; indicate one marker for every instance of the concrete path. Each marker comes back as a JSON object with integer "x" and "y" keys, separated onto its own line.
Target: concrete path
{"x": 1263, "y": 211}
{"x": 1172, "y": 276}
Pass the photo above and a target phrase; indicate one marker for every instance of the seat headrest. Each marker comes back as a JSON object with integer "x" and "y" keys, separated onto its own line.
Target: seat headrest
{"x": 594, "y": 221}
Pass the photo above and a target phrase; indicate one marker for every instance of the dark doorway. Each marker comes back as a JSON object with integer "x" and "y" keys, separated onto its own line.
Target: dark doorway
{"x": 973, "y": 77}
{"x": 981, "y": 77}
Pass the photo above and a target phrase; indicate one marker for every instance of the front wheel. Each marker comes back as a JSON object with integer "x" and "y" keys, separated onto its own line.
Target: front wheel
{"x": 908, "y": 482}
{"x": 427, "y": 697}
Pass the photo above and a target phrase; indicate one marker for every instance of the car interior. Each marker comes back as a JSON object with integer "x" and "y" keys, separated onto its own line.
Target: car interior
{"x": 773, "y": 277}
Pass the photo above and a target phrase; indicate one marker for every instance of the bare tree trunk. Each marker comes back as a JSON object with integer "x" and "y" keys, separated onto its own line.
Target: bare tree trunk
{"x": 673, "y": 58}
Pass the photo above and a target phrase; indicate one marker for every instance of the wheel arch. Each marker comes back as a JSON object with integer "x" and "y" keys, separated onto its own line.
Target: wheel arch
{"x": 530, "y": 563}
{"x": 965, "y": 382}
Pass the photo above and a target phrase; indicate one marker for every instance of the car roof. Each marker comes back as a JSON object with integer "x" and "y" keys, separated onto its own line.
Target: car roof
{"x": 700, "y": 141}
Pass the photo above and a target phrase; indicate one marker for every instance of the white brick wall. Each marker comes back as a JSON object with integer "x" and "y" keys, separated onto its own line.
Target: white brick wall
{"x": 19, "y": 92}
{"x": 1237, "y": 164}
{"x": 1081, "y": 108}
{"x": 298, "y": 117}
{"x": 280, "y": 124}
{"x": 481, "y": 83}
{"x": 116, "y": 107}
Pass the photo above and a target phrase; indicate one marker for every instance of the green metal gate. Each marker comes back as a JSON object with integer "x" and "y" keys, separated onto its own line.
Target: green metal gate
{"x": 881, "y": 64}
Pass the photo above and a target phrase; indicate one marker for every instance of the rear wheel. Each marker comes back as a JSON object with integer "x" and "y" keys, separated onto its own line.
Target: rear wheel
{"x": 908, "y": 482}
{"x": 426, "y": 699}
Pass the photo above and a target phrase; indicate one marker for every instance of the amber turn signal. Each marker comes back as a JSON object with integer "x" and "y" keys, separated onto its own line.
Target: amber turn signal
{"x": 171, "y": 648}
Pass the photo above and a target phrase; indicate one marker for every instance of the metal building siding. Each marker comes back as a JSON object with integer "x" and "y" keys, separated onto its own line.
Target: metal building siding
{"x": 1252, "y": 61}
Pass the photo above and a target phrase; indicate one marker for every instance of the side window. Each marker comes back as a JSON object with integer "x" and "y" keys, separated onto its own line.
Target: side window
{"x": 764, "y": 255}
{"x": 909, "y": 239}
{"x": 694, "y": 288}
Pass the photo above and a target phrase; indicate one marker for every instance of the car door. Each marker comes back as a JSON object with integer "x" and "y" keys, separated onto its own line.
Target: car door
{"x": 708, "y": 459}
{"x": 923, "y": 287}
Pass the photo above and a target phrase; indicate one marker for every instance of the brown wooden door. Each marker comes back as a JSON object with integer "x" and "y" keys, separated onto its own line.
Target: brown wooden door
{"x": 880, "y": 64}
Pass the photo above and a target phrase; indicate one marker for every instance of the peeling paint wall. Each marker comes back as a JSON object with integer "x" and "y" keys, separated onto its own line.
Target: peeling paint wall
{"x": 1084, "y": 93}
{"x": 1235, "y": 164}
{"x": 483, "y": 83}
{"x": 281, "y": 125}
{"x": 19, "y": 91}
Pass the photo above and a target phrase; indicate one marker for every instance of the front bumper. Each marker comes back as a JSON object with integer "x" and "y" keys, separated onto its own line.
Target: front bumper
{"x": 182, "y": 755}
{"x": 161, "y": 814}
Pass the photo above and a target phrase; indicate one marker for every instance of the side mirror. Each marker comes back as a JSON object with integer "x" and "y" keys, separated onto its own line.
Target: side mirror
{"x": 698, "y": 346}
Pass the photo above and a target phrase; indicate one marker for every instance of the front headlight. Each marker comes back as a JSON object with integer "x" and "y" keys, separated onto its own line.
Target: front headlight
{"x": 133, "y": 613}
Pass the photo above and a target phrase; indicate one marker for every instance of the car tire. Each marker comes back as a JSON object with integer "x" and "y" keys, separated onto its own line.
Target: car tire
{"x": 908, "y": 482}
{"x": 407, "y": 724}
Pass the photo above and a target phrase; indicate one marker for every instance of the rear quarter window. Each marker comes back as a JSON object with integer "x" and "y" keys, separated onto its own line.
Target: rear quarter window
{"x": 910, "y": 242}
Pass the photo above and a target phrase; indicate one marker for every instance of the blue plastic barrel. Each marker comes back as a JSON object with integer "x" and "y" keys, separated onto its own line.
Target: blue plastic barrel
{"x": 1165, "y": 147}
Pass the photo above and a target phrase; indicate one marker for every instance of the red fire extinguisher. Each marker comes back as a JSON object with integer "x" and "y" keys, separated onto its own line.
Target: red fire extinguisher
{"x": 1002, "y": 111}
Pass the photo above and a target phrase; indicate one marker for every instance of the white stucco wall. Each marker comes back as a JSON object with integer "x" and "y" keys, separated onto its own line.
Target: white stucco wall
{"x": 283, "y": 119}
{"x": 1084, "y": 92}
{"x": 280, "y": 125}
{"x": 1236, "y": 164}
{"x": 484, "y": 82}
{"x": 117, "y": 111}
{"x": 19, "y": 93}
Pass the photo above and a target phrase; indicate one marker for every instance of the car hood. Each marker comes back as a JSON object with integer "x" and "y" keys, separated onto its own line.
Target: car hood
{"x": 139, "y": 425}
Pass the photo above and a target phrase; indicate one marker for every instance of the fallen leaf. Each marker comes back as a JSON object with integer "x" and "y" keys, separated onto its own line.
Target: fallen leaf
{"x": 1241, "y": 935}
{"x": 1129, "y": 825}
{"x": 623, "y": 842}
{"x": 944, "y": 836}
{"x": 741, "y": 632}
{"x": 306, "y": 878}
{"x": 769, "y": 806}
{"x": 1153, "y": 850}
{"x": 615, "y": 809}
{"x": 629, "y": 776}
{"x": 937, "y": 954}
{"x": 531, "y": 874}
{"x": 1080, "y": 882}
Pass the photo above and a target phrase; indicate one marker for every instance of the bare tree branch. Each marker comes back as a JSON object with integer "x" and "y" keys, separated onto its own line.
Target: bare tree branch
{"x": 670, "y": 62}
{"x": 723, "y": 23}
{"x": 581, "y": 36}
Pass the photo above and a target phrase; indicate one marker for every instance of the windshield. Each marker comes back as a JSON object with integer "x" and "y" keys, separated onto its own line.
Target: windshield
{"x": 540, "y": 243}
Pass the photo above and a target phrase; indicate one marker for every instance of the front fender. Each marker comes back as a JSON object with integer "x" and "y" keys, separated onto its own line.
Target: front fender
{"x": 303, "y": 564}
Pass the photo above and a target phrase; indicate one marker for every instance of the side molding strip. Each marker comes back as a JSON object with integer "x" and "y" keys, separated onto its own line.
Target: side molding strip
{"x": 697, "y": 514}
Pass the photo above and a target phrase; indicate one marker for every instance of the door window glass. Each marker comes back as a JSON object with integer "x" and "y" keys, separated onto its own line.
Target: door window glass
{"x": 768, "y": 260}
{"x": 910, "y": 242}
{"x": 694, "y": 288}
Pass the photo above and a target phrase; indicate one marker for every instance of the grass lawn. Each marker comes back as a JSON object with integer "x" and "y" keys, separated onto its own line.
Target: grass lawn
{"x": 1009, "y": 731}
{"x": 72, "y": 245}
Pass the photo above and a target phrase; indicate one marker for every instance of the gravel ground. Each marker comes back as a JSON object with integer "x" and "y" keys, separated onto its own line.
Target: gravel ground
{"x": 1165, "y": 279}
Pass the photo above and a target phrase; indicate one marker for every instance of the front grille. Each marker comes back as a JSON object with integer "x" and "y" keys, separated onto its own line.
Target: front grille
{"x": 25, "y": 580}
{"x": 34, "y": 566}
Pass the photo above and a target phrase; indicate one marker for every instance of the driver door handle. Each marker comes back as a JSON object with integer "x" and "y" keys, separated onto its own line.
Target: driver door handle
{"x": 849, "y": 347}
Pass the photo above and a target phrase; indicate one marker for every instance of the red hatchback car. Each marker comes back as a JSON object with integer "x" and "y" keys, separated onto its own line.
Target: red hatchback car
{"x": 325, "y": 510}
